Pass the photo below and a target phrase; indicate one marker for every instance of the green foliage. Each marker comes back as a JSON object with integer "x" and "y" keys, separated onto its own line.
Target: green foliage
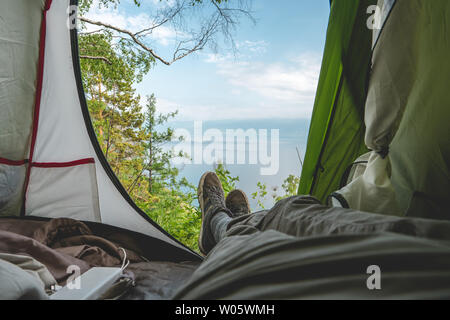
{"x": 225, "y": 177}
{"x": 114, "y": 105}
{"x": 122, "y": 61}
{"x": 260, "y": 194}
{"x": 173, "y": 209}
{"x": 290, "y": 187}
{"x": 158, "y": 160}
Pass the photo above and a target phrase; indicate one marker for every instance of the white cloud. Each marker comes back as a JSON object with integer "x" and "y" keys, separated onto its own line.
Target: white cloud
{"x": 245, "y": 50}
{"x": 278, "y": 89}
{"x": 215, "y": 58}
{"x": 295, "y": 81}
{"x": 290, "y": 83}
{"x": 163, "y": 35}
{"x": 253, "y": 46}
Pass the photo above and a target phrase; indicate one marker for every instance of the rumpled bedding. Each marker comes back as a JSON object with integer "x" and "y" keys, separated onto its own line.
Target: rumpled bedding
{"x": 48, "y": 247}
{"x": 60, "y": 243}
{"x": 31, "y": 266}
{"x": 16, "y": 283}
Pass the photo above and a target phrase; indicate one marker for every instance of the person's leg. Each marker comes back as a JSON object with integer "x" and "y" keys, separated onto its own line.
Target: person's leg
{"x": 237, "y": 202}
{"x": 291, "y": 216}
{"x": 218, "y": 212}
{"x": 305, "y": 216}
{"x": 219, "y": 225}
{"x": 300, "y": 216}
{"x": 211, "y": 198}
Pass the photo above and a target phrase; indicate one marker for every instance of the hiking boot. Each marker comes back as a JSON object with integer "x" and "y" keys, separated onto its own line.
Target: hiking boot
{"x": 211, "y": 198}
{"x": 237, "y": 203}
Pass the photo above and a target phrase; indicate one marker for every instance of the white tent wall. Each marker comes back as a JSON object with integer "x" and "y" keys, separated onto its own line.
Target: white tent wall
{"x": 20, "y": 22}
{"x": 61, "y": 134}
{"x": 69, "y": 176}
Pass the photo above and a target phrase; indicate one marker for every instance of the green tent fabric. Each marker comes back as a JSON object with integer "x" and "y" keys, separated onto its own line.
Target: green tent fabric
{"x": 336, "y": 135}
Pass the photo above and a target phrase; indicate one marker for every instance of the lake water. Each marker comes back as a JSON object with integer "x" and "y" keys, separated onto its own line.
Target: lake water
{"x": 292, "y": 133}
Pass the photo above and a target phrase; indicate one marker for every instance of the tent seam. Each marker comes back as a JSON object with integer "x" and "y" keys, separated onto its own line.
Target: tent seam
{"x": 37, "y": 106}
{"x": 9, "y": 162}
{"x": 63, "y": 164}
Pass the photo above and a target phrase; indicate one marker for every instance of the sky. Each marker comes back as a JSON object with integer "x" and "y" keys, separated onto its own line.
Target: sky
{"x": 269, "y": 82}
{"x": 274, "y": 74}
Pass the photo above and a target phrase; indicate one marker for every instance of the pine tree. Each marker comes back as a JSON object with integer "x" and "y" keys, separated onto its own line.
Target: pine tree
{"x": 160, "y": 171}
{"x": 114, "y": 106}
